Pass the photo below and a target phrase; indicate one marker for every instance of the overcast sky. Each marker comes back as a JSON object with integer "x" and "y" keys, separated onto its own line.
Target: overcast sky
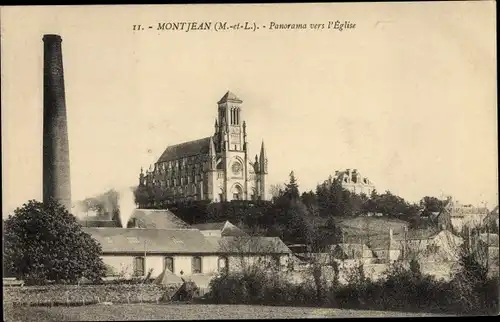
{"x": 408, "y": 97}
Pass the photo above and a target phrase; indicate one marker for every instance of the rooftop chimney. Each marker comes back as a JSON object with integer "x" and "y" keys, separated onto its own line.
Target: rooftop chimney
{"x": 56, "y": 169}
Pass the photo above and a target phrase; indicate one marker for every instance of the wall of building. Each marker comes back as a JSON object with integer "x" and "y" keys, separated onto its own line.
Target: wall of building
{"x": 124, "y": 264}
{"x": 471, "y": 220}
{"x": 211, "y": 233}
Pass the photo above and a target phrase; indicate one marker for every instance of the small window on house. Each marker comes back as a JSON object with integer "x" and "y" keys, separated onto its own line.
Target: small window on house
{"x": 169, "y": 264}
{"x": 223, "y": 264}
{"x": 139, "y": 266}
{"x": 196, "y": 265}
{"x": 277, "y": 260}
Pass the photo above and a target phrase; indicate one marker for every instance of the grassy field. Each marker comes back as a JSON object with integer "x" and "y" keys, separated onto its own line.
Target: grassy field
{"x": 182, "y": 312}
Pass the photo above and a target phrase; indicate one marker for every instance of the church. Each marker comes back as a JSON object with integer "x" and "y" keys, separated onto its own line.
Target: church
{"x": 215, "y": 168}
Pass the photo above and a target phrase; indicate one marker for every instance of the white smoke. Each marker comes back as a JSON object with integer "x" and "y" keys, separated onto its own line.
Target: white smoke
{"x": 126, "y": 204}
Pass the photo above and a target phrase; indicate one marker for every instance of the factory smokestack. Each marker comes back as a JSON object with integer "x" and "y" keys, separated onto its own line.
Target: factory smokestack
{"x": 56, "y": 170}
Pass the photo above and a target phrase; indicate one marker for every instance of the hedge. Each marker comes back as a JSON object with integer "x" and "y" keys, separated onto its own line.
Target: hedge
{"x": 71, "y": 295}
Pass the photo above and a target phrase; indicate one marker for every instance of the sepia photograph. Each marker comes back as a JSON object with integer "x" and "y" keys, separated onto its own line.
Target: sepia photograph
{"x": 249, "y": 161}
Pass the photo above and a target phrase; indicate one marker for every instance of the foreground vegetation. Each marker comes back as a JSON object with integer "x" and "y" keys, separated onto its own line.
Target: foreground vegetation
{"x": 470, "y": 291}
{"x": 143, "y": 312}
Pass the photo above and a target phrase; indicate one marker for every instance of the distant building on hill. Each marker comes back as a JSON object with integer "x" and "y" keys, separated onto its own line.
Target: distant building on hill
{"x": 353, "y": 181}
{"x": 457, "y": 216}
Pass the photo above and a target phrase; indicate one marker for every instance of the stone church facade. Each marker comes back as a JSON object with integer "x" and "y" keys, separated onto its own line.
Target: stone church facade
{"x": 216, "y": 168}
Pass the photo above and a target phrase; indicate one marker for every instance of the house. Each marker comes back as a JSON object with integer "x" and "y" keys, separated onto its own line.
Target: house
{"x": 238, "y": 251}
{"x": 345, "y": 251}
{"x": 456, "y": 216}
{"x": 429, "y": 244}
{"x": 158, "y": 240}
{"x": 219, "y": 229}
{"x": 134, "y": 251}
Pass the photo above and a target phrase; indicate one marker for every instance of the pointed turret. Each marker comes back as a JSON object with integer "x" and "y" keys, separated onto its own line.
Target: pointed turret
{"x": 211, "y": 149}
{"x": 212, "y": 155}
{"x": 263, "y": 158}
{"x": 141, "y": 177}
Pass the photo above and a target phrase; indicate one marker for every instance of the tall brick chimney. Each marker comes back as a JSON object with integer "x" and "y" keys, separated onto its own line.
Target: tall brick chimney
{"x": 56, "y": 170}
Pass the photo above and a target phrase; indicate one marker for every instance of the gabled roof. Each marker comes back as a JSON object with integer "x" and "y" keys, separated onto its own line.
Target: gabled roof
{"x": 232, "y": 230}
{"x": 249, "y": 245}
{"x": 229, "y": 97}
{"x": 210, "y": 226}
{"x": 225, "y": 227}
{"x": 158, "y": 219}
{"x": 186, "y": 149}
{"x": 164, "y": 241}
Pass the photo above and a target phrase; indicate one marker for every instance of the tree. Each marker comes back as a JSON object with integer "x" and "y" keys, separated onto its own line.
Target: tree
{"x": 309, "y": 199}
{"x": 43, "y": 241}
{"x": 276, "y": 191}
{"x": 431, "y": 205}
{"x": 292, "y": 188}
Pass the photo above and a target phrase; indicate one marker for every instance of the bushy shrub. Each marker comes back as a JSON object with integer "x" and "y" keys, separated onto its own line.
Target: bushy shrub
{"x": 43, "y": 242}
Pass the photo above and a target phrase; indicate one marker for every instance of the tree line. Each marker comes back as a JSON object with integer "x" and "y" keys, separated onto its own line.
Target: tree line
{"x": 308, "y": 217}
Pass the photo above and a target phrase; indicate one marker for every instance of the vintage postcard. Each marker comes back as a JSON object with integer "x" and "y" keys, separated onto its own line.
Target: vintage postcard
{"x": 249, "y": 160}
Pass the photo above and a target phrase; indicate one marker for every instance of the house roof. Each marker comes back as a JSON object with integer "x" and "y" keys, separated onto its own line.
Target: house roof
{"x": 99, "y": 223}
{"x": 413, "y": 234}
{"x": 229, "y": 97}
{"x": 249, "y": 245}
{"x": 225, "y": 227}
{"x": 185, "y": 149}
{"x": 210, "y": 226}
{"x": 158, "y": 219}
{"x": 232, "y": 230}
{"x": 137, "y": 240}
